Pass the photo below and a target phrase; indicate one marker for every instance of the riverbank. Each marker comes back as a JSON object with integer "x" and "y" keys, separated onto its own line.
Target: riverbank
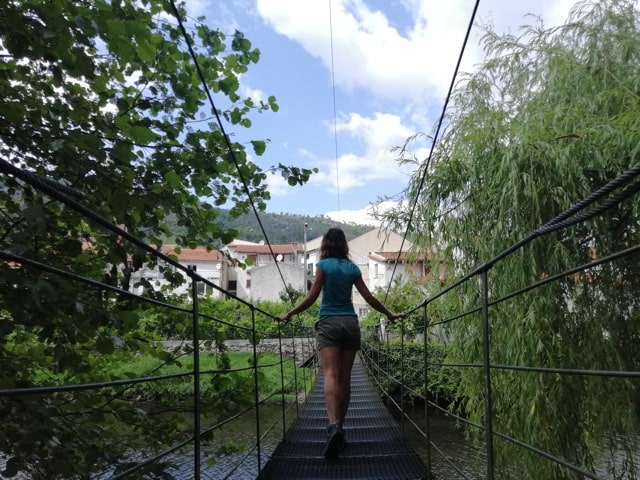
{"x": 299, "y": 348}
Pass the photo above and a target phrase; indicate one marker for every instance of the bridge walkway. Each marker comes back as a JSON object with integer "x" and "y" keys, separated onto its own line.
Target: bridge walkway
{"x": 375, "y": 447}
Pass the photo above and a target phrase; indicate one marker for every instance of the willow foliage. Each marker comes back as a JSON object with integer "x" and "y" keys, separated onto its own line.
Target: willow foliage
{"x": 551, "y": 115}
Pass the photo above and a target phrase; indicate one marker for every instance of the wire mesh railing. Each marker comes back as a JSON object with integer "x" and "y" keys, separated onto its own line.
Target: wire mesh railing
{"x": 93, "y": 377}
{"x": 528, "y": 362}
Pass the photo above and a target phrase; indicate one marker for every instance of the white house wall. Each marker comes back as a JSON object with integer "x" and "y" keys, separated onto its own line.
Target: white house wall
{"x": 266, "y": 283}
{"x": 215, "y": 272}
{"x": 381, "y": 274}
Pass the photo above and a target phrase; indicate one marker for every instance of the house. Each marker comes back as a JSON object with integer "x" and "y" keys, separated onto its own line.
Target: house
{"x": 211, "y": 265}
{"x": 376, "y": 240}
{"x": 270, "y": 268}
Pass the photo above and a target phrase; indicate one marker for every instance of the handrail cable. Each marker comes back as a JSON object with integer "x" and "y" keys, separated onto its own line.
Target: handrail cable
{"x": 48, "y": 187}
{"x": 559, "y": 222}
{"x": 57, "y": 193}
{"x": 616, "y": 191}
{"x": 564, "y": 220}
{"x": 533, "y": 286}
{"x": 508, "y": 438}
{"x": 63, "y": 194}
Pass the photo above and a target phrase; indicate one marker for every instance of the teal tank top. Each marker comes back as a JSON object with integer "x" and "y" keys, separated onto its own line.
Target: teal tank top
{"x": 338, "y": 278}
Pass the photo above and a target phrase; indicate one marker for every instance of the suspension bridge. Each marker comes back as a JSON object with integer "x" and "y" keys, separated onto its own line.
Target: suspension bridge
{"x": 376, "y": 448}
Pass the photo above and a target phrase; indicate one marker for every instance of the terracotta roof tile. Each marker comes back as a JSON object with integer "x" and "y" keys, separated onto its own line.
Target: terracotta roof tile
{"x": 264, "y": 249}
{"x": 393, "y": 256}
{"x": 199, "y": 254}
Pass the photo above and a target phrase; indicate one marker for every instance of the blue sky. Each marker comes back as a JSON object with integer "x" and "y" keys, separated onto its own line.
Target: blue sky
{"x": 393, "y": 61}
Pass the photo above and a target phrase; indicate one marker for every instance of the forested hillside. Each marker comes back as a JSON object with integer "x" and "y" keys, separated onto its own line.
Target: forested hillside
{"x": 281, "y": 228}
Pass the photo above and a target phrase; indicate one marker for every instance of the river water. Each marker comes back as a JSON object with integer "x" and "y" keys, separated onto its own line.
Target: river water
{"x": 452, "y": 455}
{"x": 232, "y": 453}
{"x": 455, "y": 457}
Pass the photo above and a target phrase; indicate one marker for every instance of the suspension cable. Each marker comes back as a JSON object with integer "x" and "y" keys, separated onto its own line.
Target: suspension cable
{"x": 227, "y": 141}
{"x": 435, "y": 139}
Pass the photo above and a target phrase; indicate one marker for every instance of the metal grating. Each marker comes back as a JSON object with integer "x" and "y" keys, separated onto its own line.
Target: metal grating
{"x": 375, "y": 447}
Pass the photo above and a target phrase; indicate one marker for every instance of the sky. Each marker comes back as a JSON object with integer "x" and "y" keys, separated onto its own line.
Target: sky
{"x": 354, "y": 79}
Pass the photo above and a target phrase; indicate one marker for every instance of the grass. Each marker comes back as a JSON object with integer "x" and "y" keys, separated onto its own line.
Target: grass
{"x": 231, "y": 373}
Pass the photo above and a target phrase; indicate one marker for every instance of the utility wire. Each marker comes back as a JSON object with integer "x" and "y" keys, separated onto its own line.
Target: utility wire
{"x": 335, "y": 121}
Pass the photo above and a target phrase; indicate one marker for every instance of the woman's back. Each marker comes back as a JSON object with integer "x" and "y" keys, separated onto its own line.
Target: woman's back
{"x": 339, "y": 275}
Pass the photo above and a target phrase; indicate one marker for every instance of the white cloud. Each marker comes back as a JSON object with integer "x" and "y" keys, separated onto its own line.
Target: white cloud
{"x": 255, "y": 94}
{"x": 277, "y": 185}
{"x": 376, "y": 135}
{"x": 362, "y": 216}
{"x": 407, "y": 63}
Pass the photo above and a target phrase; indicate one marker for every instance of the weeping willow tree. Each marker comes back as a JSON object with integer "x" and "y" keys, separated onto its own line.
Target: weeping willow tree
{"x": 549, "y": 116}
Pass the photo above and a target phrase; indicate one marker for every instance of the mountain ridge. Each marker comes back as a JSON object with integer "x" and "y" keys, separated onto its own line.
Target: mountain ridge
{"x": 286, "y": 227}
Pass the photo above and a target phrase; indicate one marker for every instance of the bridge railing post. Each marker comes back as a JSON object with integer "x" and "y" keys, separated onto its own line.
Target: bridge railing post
{"x": 425, "y": 334}
{"x": 256, "y": 387}
{"x": 282, "y": 387}
{"x": 295, "y": 371}
{"x": 487, "y": 374}
{"x": 402, "y": 332}
{"x": 196, "y": 378}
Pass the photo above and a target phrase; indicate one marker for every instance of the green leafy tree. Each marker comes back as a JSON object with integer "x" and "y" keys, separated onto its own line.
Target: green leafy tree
{"x": 103, "y": 97}
{"x": 291, "y": 295}
{"x": 403, "y": 297}
{"x": 550, "y": 116}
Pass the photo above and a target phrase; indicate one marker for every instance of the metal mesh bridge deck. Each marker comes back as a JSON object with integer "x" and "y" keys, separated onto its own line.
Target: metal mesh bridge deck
{"x": 375, "y": 447}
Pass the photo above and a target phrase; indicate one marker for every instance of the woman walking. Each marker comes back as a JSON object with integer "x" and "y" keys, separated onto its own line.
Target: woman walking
{"x": 337, "y": 330}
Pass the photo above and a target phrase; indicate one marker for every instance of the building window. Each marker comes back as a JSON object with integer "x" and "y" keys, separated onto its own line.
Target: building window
{"x": 233, "y": 285}
{"x": 362, "y": 312}
{"x": 248, "y": 284}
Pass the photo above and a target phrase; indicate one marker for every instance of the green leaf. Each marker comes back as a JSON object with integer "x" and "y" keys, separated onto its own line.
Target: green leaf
{"x": 259, "y": 146}
{"x": 173, "y": 179}
{"x": 146, "y": 52}
{"x": 272, "y": 103}
{"x": 142, "y": 134}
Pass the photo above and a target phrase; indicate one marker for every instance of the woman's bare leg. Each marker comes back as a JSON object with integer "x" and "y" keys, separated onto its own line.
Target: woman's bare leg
{"x": 344, "y": 395}
{"x": 337, "y": 365}
{"x": 331, "y": 358}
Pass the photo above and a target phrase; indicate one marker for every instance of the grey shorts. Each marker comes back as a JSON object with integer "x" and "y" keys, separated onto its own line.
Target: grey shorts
{"x": 338, "y": 331}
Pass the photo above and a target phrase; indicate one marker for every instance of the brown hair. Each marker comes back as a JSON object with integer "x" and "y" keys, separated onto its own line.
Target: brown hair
{"x": 334, "y": 245}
